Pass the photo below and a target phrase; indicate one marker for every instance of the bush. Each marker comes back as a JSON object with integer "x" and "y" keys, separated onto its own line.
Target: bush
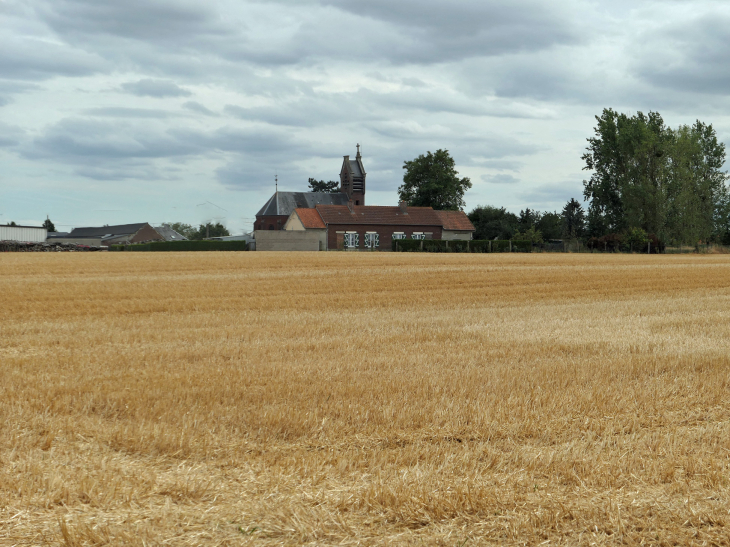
{"x": 522, "y": 246}
{"x": 500, "y": 246}
{"x": 479, "y": 246}
{"x": 436, "y": 246}
{"x": 183, "y": 246}
{"x": 407, "y": 245}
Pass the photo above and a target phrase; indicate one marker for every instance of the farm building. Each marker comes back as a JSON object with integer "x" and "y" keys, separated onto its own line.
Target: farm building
{"x": 25, "y": 234}
{"x": 363, "y": 227}
{"x": 169, "y": 234}
{"x": 122, "y": 234}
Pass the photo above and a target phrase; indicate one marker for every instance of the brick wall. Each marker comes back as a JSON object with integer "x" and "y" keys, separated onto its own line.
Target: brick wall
{"x": 277, "y": 221}
{"x": 385, "y": 233}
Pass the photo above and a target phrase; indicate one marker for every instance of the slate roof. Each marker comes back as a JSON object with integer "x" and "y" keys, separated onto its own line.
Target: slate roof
{"x": 379, "y": 215}
{"x": 455, "y": 220}
{"x": 284, "y": 203}
{"x": 119, "y": 230}
{"x": 310, "y": 218}
{"x": 169, "y": 234}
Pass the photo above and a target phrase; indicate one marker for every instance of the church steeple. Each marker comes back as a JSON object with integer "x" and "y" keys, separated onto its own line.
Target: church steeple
{"x": 352, "y": 178}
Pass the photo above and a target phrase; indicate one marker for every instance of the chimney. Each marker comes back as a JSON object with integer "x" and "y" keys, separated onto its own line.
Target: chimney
{"x": 351, "y": 206}
{"x": 403, "y": 207}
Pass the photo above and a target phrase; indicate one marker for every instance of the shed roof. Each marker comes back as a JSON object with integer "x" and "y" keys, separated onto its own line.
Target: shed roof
{"x": 455, "y": 220}
{"x": 169, "y": 234}
{"x": 284, "y": 203}
{"x": 118, "y": 230}
{"x": 310, "y": 218}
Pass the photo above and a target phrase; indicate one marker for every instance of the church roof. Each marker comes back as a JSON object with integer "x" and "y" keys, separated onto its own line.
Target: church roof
{"x": 284, "y": 203}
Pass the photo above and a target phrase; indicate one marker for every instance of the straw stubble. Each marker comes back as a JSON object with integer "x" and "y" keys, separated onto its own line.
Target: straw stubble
{"x": 342, "y": 398}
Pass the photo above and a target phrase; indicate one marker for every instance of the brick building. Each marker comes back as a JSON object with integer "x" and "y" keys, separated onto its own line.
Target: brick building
{"x": 375, "y": 227}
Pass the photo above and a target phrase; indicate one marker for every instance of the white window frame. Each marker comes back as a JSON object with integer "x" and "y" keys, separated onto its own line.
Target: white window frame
{"x": 372, "y": 240}
{"x": 352, "y": 240}
{"x": 418, "y": 235}
{"x": 399, "y": 235}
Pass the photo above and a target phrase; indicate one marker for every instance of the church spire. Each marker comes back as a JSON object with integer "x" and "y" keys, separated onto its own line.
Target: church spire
{"x": 358, "y": 150}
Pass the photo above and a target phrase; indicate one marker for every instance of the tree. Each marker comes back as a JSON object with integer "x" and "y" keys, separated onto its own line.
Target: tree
{"x": 550, "y": 225}
{"x": 48, "y": 225}
{"x": 322, "y": 186}
{"x": 184, "y": 229}
{"x": 492, "y": 222}
{"x": 210, "y": 230}
{"x": 646, "y": 175}
{"x": 574, "y": 221}
{"x": 531, "y": 234}
{"x": 431, "y": 180}
{"x": 528, "y": 218}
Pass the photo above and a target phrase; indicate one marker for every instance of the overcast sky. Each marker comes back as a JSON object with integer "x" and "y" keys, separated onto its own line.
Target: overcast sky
{"x": 140, "y": 111}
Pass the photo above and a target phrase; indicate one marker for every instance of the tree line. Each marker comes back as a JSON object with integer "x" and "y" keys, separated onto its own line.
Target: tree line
{"x": 648, "y": 182}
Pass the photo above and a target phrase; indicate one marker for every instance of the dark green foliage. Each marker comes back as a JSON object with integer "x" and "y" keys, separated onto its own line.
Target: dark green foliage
{"x": 322, "y": 186}
{"x": 431, "y": 180}
{"x": 48, "y": 225}
{"x": 184, "y": 246}
{"x": 646, "y": 175}
{"x": 500, "y": 246}
{"x": 11, "y": 223}
{"x": 479, "y": 246}
{"x": 436, "y": 246}
{"x": 522, "y": 246}
{"x": 550, "y": 226}
{"x": 407, "y": 245}
{"x": 493, "y": 222}
{"x": 210, "y": 230}
{"x": 573, "y": 222}
{"x": 528, "y": 219}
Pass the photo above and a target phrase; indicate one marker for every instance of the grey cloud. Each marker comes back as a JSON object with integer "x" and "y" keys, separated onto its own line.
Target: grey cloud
{"x": 552, "y": 195}
{"x": 176, "y": 21}
{"x": 199, "y": 108}
{"x": 75, "y": 140}
{"x": 4, "y": 101}
{"x": 688, "y": 56}
{"x": 29, "y": 58}
{"x": 498, "y": 164}
{"x": 155, "y": 88}
{"x": 122, "y": 112}
{"x": 502, "y": 178}
{"x": 10, "y": 135}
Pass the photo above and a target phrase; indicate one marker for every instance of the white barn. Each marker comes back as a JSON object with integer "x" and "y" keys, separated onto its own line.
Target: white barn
{"x": 25, "y": 234}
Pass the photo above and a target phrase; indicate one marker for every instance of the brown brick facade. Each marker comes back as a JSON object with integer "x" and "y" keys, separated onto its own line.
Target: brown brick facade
{"x": 270, "y": 222}
{"x": 335, "y": 240}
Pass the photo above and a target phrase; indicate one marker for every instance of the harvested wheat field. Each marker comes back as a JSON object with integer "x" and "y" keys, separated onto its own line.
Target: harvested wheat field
{"x": 343, "y": 398}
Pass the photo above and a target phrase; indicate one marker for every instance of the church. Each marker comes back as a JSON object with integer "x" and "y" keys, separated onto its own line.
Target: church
{"x": 275, "y": 212}
{"x": 342, "y": 221}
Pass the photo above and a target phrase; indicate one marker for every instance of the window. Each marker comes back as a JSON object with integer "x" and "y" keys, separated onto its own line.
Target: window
{"x": 372, "y": 240}
{"x": 399, "y": 235}
{"x": 418, "y": 235}
{"x": 352, "y": 240}
{"x": 271, "y": 226}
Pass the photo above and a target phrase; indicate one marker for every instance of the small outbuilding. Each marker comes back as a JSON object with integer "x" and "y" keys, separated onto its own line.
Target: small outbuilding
{"x": 23, "y": 234}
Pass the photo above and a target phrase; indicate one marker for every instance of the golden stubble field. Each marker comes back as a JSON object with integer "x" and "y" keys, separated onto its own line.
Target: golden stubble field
{"x": 340, "y": 398}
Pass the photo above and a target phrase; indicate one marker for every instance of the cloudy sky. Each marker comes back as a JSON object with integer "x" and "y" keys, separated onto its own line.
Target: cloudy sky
{"x": 142, "y": 110}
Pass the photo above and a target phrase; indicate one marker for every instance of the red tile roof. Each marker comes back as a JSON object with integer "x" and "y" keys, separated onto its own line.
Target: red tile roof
{"x": 310, "y": 218}
{"x": 455, "y": 220}
{"x": 378, "y": 215}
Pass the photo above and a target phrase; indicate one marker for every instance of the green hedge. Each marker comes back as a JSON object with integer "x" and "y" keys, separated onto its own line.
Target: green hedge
{"x": 407, "y": 245}
{"x": 183, "y": 246}
{"x": 461, "y": 246}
